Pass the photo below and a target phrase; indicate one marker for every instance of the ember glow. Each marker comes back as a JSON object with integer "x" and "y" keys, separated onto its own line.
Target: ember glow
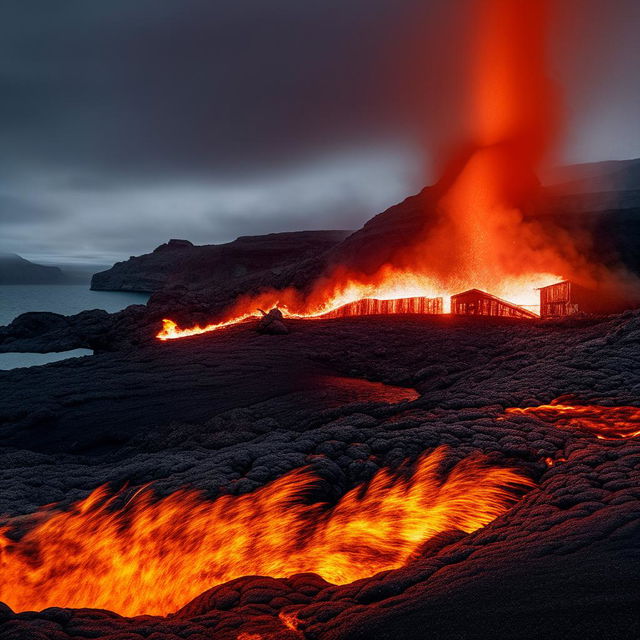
{"x": 606, "y": 423}
{"x": 153, "y": 555}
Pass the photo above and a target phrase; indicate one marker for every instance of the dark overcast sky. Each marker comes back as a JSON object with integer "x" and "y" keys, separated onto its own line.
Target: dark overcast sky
{"x": 126, "y": 122}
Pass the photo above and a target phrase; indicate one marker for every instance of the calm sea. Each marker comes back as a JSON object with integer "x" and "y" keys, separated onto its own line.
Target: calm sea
{"x": 61, "y": 298}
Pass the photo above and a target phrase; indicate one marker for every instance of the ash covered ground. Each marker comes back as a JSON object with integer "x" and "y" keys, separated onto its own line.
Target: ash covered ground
{"x": 230, "y": 411}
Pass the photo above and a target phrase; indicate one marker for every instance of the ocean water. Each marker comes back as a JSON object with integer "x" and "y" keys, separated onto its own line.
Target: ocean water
{"x": 18, "y": 360}
{"x": 61, "y": 298}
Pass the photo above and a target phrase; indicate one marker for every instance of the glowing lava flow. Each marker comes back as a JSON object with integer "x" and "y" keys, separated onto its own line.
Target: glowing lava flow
{"x": 154, "y": 555}
{"x": 606, "y": 423}
{"x": 330, "y": 297}
{"x": 395, "y": 293}
{"x": 171, "y": 331}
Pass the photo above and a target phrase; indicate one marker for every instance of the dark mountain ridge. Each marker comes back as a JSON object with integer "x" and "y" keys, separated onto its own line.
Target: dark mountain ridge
{"x": 282, "y": 259}
{"x": 180, "y": 263}
{"x": 14, "y": 269}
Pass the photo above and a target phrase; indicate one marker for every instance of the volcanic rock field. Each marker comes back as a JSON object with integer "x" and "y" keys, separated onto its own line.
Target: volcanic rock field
{"x": 228, "y": 412}
{"x": 426, "y": 428}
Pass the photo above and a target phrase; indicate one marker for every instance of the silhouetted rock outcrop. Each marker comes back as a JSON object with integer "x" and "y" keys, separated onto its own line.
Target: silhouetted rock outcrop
{"x": 272, "y": 323}
{"x": 596, "y": 177}
{"x": 43, "y": 332}
{"x": 179, "y": 262}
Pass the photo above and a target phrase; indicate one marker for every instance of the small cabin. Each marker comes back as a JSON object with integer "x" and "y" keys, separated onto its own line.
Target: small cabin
{"x": 560, "y": 299}
{"x": 373, "y": 306}
{"x": 480, "y": 303}
{"x": 568, "y": 298}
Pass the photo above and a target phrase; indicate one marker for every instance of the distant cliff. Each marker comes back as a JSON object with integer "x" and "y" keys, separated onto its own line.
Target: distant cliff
{"x": 596, "y": 177}
{"x": 601, "y": 198}
{"x": 16, "y": 270}
{"x": 179, "y": 262}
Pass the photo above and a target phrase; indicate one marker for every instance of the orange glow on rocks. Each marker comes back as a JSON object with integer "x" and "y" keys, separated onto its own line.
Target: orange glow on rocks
{"x": 153, "y": 555}
{"x": 606, "y": 423}
{"x": 341, "y": 295}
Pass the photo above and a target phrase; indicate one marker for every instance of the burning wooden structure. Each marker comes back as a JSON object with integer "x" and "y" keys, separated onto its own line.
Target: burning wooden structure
{"x": 373, "y": 306}
{"x": 561, "y": 299}
{"x": 479, "y": 303}
{"x": 568, "y": 298}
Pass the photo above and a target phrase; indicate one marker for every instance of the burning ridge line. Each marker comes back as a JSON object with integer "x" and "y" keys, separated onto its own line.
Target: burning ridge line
{"x": 481, "y": 304}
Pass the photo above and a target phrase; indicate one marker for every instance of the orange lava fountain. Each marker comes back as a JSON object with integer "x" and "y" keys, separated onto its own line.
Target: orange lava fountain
{"x": 154, "y": 555}
{"x": 606, "y": 423}
{"x": 479, "y": 233}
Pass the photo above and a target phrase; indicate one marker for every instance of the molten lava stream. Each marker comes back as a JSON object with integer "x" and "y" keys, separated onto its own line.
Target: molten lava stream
{"x": 154, "y": 555}
{"x": 426, "y": 302}
{"x": 606, "y": 423}
{"x": 340, "y": 294}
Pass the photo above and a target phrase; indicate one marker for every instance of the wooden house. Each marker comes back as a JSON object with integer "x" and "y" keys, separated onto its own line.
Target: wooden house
{"x": 568, "y": 298}
{"x": 480, "y": 303}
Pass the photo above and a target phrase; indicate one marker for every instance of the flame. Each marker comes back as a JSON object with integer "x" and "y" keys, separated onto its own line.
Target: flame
{"x": 606, "y": 423}
{"x": 486, "y": 236}
{"x": 155, "y": 555}
{"x": 481, "y": 236}
{"x": 347, "y": 296}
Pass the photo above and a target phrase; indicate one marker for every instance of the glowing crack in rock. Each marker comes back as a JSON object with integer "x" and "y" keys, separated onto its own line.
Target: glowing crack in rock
{"x": 606, "y": 423}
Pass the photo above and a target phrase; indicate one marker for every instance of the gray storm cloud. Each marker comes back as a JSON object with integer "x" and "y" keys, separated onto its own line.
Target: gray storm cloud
{"x": 123, "y": 124}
